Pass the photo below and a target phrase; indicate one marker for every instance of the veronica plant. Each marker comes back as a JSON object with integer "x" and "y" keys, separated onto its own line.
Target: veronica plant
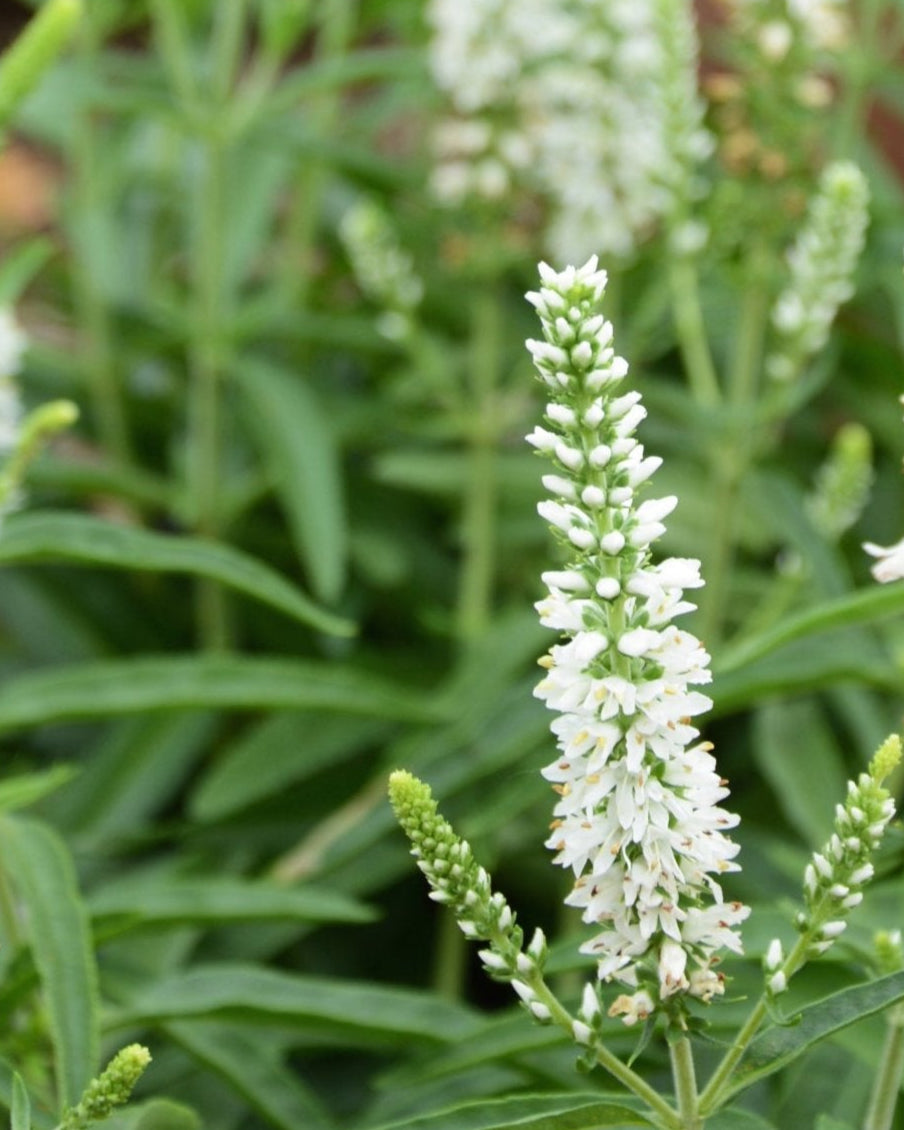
{"x": 639, "y": 819}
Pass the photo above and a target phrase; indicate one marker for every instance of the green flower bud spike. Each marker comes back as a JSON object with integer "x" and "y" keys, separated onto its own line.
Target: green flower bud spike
{"x": 111, "y": 1089}
{"x": 37, "y": 428}
{"x": 458, "y": 881}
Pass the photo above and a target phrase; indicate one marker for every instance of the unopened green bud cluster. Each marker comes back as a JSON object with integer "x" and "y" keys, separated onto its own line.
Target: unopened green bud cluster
{"x": 834, "y": 878}
{"x": 458, "y": 881}
{"x": 111, "y": 1089}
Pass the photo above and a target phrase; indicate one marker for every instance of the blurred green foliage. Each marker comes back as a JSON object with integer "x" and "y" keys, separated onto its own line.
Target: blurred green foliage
{"x": 285, "y": 552}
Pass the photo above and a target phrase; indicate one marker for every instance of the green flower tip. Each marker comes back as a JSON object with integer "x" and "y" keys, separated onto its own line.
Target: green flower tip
{"x": 887, "y": 758}
{"x": 845, "y": 180}
{"x": 406, "y": 789}
{"x": 889, "y": 951}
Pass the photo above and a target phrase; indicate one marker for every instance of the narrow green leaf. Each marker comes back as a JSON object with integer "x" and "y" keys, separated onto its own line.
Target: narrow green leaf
{"x": 127, "y": 686}
{"x": 796, "y": 750}
{"x": 281, "y": 751}
{"x": 739, "y": 1120}
{"x": 254, "y": 1072}
{"x": 865, "y": 607}
{"x": 158, "y": 1114}
{"x": 39, "y": 866}
{"x": 359, "y": 1012}
{"x": 50, "y": 536}
{"x": 297, "y": 442}
{"x": 528, "y": 1112}
{"x": 776, "y": 1047}
{"x": 26, "y": 788}
{"x": 20, "y": 264}
{"x": 20, "y": 1112}
{"x": 827, "y": 1122}
{"x": 212, "y": 899}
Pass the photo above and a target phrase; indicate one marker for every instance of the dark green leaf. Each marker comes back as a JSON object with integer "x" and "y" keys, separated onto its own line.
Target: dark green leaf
{"x": 296, "y": 439}
{"x": 127, "y": 686}
{"x": 36, "y": 861}
{"x": 214, "y": 899}
{"x": 44, "y": 536}
{"x": 358, "y": 1012}
{"x": 528, "y": 1112}
{"x": 776, "y": 1047}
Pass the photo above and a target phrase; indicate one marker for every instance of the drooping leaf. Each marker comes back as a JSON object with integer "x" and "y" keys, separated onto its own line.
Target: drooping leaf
{"x": 529, "y": 1112}
{"x": 127, "y": 686}
{"x": 20, "y": 1112}
{"x": 220, "y": 899}
{"x": 27, "y": 788}
{"x": 361, "y": 1013}
{"x": 80, "y": 538}
{"x": 778, "y": 1046}
{"x": 157, "y": 1114}
{"x": 297, "y": 442}
{"x": 254, "y": 1072}
{"x": 37, "y": 863}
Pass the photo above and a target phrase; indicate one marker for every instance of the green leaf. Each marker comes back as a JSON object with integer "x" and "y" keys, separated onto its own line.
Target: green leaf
{"x": 253, "y": 1071}
{"x": 20, "y": 1112}
{"x": 827, "y": 1122}
{"x": 738, "y": 1120}
{"x": 213, "y": 899}
{"x": 36, "y": 861}
{"x": 282, "y": 750}
{"x": 796, "y": 751}
{"x": 778, "y": 1046}
{"x": 158, "y": 1114}
{"x": 358, "y": 1012}
{"x": 528, "y": 1112}
{"x": 128, "y": 686}
{"x": 20, "y": 264}
{"x": 870, "y": 605}
{"x": 296, "y": 439}
{"x": 26, "y": 788}
{"x": 49, "y": 536}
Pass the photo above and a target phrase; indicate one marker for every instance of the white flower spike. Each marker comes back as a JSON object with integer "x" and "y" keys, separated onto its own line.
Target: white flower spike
{"x": 638, "y": 820}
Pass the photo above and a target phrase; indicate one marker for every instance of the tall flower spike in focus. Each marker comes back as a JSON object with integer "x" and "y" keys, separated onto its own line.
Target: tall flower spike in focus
{"x": 638, "y": 818}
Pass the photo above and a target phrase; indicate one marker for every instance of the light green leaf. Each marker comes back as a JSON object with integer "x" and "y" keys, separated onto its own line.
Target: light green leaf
{"x": 529, "y": 1112}
{"x": 282, "y": 750}
{"x": 296, "y": 439}
{"x": 866, "y": 607}
{"x": 254, "y": 1072}
{"x": 158, "y": 1114}
{"x": 49, "y": 536}
{"x": 26, "y": 788}
{"x": 778, "y": 1046}
{"x": 127, "y": 686}
{"x": 20, "y": 1112}
{"x": 214, "y": 899}
{"x": 796, "y": 750}
{"x": 37, "y": 863}
{"x": 827, "y": 1122}
{"x": 739, "y": 1120}
{"x": 358, "y": 1012}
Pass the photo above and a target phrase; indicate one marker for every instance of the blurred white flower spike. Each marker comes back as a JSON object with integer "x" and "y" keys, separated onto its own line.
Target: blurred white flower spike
{"x": 638, "y": 820}
{"x": 13, "y": 344}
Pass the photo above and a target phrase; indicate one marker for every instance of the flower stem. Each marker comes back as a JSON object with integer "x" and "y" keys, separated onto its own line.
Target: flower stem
{"x": 682, "y": 1056}
{"x": 887, "y": 1084}
{"x": 692, "y": 341}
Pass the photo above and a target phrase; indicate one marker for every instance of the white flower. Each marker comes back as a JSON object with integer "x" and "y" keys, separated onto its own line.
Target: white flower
{"x": 638, "y": 819}
{"x": 890, "y": 566}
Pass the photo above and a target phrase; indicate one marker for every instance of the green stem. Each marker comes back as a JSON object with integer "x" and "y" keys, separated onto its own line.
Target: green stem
{"x": 335, "y": 33}
{"x": 692, "y": 340}
{"x": 887, "y": 1084}
{"x": 89, "y": 206}
{"x": 476, "y": 587}
{"x": 665, "y": 1115}
{"x": 733, "y": 453}
{"x": 685, "y": 1078}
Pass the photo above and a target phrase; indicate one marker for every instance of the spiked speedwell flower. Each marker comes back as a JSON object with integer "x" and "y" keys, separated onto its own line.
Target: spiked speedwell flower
{"x": 638, "y": 819}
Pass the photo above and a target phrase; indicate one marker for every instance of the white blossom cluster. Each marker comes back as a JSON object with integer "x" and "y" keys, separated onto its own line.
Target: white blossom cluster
{"x": 13, "y": 343}
{"x": 575, "y": 101}
{"x": 638, "y": 818}
{"x": 821, "y": 266}
{"x": 890, "y": 563}
{"x": 820, "y": 25}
